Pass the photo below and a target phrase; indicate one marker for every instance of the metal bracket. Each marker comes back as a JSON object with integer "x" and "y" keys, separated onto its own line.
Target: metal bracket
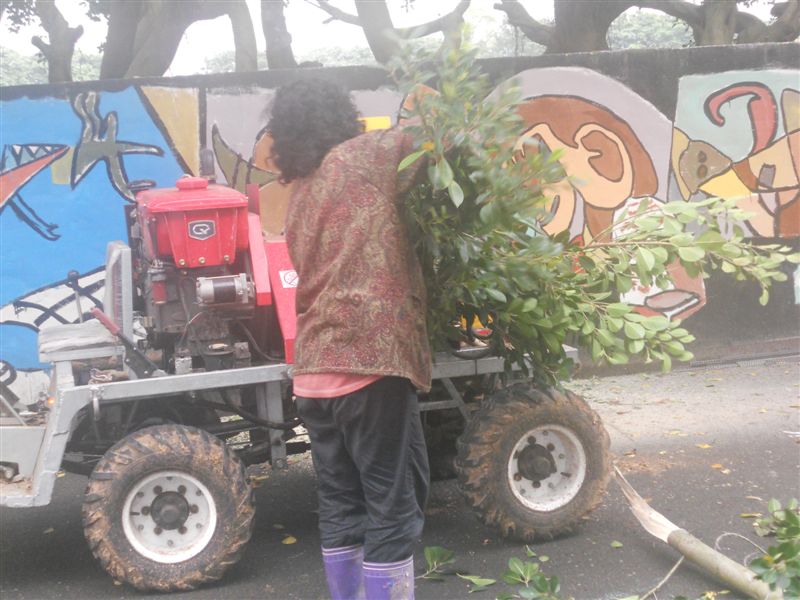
{"x": 96, "y": 394}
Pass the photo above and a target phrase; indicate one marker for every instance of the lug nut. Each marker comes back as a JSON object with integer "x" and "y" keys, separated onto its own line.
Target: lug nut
{"x": 158, "y": 489}
{"x": 170, "y": 543}
{"x": 551, "y": 447}
{"x": 531, "y": 440}
{"x": 181, "y": 489}
{"x": 517, "y": 477}
{"x": 181, "y": 530}
{"x": 145, "y": 510}
{"x": 536, "y": 484}
{"x": 193, "y": 509}
{"x": 140, "y": 527}
{"x": 158, "y": 530}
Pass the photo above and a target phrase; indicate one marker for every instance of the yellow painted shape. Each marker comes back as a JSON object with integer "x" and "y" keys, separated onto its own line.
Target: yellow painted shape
{"x": 779, "y": 155}
{"x": 727, "y": 185}
{"x": 680, "y": 141}
{"x": 790, "y": 103}
{"x": 179, "y": 111}
{"x": 61, "y": 169}
{"x": 373, "y": 123}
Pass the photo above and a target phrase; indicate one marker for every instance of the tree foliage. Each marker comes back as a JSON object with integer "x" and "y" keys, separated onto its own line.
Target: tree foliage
{"x": 478, "y": 217}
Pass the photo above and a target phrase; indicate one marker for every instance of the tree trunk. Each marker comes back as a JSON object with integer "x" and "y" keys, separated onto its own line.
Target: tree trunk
{"x": 279, "y": 42}
{"x": 244, "y": 37}
{"x": 378, "y": 28}
{"x": 62, "y": 40}
{"x": 785, "y": 29}
{"x": 163, "y": 23}
{"x": 719, "y": 23}
{"x": 583, "y": 26}
{"x": 123, "y": 21}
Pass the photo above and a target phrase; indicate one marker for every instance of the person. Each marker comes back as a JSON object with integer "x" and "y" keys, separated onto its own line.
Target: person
{"x": 361, "y": 349}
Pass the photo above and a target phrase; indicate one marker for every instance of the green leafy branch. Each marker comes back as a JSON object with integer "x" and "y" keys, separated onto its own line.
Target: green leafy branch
{"x": 478, "y": 216}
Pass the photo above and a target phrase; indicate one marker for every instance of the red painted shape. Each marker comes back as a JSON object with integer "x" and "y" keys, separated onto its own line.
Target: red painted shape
{"x": 762, "y": 109}
{"x": 197, "y": 226}
{"x": 11, "y": 181}
{"x": 258, "y": 260}
{"x": 283, "y": 278}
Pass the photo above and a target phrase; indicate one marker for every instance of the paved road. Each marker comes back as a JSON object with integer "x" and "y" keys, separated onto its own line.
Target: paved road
{"x": 657, "y": 425}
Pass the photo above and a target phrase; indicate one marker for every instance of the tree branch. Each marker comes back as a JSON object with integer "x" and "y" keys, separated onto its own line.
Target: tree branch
{"x": 444, "y": 23}
{"x": 336, "y": 14}
{"x": 519, "y": 17}
{"x": 680, "y": 9}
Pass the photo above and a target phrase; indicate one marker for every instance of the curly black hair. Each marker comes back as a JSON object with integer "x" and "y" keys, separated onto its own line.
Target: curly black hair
{"x": 308, "y": 118}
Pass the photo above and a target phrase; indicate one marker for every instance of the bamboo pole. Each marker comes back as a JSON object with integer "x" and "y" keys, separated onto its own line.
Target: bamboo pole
{"x": 716, "y": 564}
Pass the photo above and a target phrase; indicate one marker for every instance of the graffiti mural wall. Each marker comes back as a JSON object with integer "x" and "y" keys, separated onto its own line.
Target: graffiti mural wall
{"x": 70, "y": 154}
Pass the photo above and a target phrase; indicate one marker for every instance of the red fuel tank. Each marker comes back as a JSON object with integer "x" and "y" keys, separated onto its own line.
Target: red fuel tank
{"x": 194, "y": 223}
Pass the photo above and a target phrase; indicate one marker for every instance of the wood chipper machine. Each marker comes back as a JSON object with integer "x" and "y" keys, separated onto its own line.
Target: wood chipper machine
{"x": 184, "y": 378}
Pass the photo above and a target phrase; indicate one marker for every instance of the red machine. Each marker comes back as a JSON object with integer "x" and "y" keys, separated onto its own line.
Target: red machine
{"x": 203, "y": 278}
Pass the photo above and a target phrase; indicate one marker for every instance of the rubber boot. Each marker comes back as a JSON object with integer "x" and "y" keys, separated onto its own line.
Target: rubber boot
{"x": 343, "y": 572}
{"x": 389, "y": 581}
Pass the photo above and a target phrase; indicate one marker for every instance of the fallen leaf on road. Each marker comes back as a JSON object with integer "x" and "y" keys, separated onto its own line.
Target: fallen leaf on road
{"x": 60, "y": 474}
{"x": 289, "y": 539}
{"x": 278, "y": 526}
{"x": 48, "y": 530}
{"x": 677, "y": 432}
{"x": 725, "y": 471}
{"x": 763, "y": 410}
{"x": 544, "y": 558}
{"x": 750, "y": 515}
{"x": 717, "y": 466}
{"x": 616, "y": 544}
{"x": 703, "y": 446}
{"x": 631, "y": 452}
{"x": 756, "y": 498}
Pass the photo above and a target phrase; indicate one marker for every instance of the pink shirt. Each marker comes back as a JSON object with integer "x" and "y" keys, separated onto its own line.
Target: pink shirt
{"x": 330, "y": 385}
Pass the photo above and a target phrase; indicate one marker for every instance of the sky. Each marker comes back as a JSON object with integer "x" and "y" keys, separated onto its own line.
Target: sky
{"x": 306, "y": 24}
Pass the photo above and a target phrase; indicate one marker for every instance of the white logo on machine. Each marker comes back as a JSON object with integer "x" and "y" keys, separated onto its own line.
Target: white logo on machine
{"x": 288, "y": 278}
{"x": 202, "y": 230}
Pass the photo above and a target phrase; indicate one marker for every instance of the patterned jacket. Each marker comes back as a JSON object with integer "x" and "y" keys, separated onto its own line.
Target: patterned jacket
{"x": 361, "y": 303}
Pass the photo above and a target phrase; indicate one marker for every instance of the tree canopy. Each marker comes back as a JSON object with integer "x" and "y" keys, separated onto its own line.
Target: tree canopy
{"x": 143, "y": 36}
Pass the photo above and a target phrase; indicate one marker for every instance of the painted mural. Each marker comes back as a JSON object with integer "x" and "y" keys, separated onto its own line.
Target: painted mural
{"x": 69, "y": 163}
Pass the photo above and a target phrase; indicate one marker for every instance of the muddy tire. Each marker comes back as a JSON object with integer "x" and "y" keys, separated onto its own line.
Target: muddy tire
{"x": 168, "y": 508}
{"x": 532, "y": 463}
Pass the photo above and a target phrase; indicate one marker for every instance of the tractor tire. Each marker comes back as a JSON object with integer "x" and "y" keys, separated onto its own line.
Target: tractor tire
{"x": 168, "y": 508}
{"x": 532, "y": 463}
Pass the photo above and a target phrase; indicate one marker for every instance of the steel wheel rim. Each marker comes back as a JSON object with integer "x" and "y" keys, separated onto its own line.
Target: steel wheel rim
{"x": 169, "y": 516}
{"x": 547, "y": 493}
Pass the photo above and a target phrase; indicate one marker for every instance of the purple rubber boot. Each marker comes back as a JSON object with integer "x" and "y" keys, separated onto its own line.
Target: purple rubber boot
{"x": 343, "y": 572}
{"x": 389, "y": 581}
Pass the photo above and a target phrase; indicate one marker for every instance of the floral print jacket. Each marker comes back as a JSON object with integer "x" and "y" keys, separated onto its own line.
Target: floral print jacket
{"x": 361, "y": 297}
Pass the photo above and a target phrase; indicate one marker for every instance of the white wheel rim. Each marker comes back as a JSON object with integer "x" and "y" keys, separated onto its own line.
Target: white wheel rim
{"x": 562, "y": 448}
{"x": 169, "y": 516}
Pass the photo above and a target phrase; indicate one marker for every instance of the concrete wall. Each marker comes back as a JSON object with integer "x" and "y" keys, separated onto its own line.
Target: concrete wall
{"x": 674, "y": 124}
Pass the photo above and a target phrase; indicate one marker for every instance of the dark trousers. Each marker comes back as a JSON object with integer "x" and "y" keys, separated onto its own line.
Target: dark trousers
{"x": 372, "y": 468}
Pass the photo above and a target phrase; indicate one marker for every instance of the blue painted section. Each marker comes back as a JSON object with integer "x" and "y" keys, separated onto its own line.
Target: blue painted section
{"x": 88, "y": 216}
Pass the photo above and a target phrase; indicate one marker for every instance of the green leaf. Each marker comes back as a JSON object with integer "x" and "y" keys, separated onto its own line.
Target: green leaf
{"x": 634, "y": 331}
{"x": 409, "y": 160}
{"x": 529, "y": 305}
{"x": 478, "y": 582}
{"x": 645, "y": 258}
{"x": 444, "y": 174}
{"x": 764, "y": 297}
{"x": 456, "y": 193}
{"x": 618, "y": 309}
{"x": 616, "y": 544}
{"x": 496, "y": 294}
{"x": 691, "y": 253}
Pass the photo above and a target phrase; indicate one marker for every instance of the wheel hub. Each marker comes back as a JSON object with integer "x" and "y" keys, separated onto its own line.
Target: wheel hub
{"x": 547, "y": 467}
{"x": 169, "y": 516}
{"x": 536, "y": 462}
{"x": 170, "y": 510}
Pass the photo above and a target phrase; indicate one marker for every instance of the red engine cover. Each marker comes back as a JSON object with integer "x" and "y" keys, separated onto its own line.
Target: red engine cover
{"x": 194, "y": 223}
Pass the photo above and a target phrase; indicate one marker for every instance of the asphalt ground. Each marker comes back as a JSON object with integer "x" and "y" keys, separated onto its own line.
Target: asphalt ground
{"x": 703, "y": 446}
